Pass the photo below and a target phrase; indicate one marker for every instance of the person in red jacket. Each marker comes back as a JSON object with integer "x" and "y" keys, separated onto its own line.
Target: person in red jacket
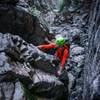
{"x": 62, "y": 51}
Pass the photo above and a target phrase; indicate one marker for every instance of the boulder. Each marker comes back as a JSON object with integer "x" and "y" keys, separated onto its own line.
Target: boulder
{"x": 48, "y": 86}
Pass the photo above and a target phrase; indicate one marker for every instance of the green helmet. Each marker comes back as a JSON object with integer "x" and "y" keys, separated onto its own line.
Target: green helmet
{"x": 60, "y": 41}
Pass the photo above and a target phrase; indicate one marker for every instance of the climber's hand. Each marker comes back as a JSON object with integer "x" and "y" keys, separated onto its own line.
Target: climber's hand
{"x": 39, "y": 47}
{"x": 60, "y": 71}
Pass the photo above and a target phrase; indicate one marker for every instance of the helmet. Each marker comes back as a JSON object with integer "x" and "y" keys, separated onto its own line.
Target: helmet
{"x": 60, "y": 41}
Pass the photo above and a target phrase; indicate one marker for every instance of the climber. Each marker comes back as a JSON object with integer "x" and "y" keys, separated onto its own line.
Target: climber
{"x": 62, "y": 51}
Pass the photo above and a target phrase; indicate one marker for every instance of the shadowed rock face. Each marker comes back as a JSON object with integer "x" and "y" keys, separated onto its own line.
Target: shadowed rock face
{"x": 92, "y": 70}
{"x": 15, "y": 18}
{"x": 9, "y": 1}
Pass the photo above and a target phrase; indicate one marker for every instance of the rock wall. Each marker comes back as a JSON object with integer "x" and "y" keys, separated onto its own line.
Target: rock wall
{"x": 73, "y": 30}
{"x": 17, "y": 76}
{"x": 83, "y": 31}
{"x": 92, "y": 59}
{"x": 15, "y": 18}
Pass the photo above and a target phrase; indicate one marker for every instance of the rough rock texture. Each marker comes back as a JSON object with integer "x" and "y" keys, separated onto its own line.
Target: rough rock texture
{"x": 80, "y": 26}
{"x": 15, "y": 53}
{"x": 11, "y": 91}
{"x": 82, "y": 29}
{"x": 92, "y": 62}
{"x": 14, "y": 46}
{"x": 74, "y": 32}
{"x": 16, "y": 19}
{"x": 16, "y": 61}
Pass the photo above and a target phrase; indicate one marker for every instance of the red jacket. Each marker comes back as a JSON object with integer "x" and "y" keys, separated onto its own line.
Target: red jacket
{"x": 62, "y": 52}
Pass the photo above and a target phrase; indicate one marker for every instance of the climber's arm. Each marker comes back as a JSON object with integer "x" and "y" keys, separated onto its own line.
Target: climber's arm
{"x": 47, "y": 46}
{"x": 29, "y": 52}
{"x": 65, "y": 57}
